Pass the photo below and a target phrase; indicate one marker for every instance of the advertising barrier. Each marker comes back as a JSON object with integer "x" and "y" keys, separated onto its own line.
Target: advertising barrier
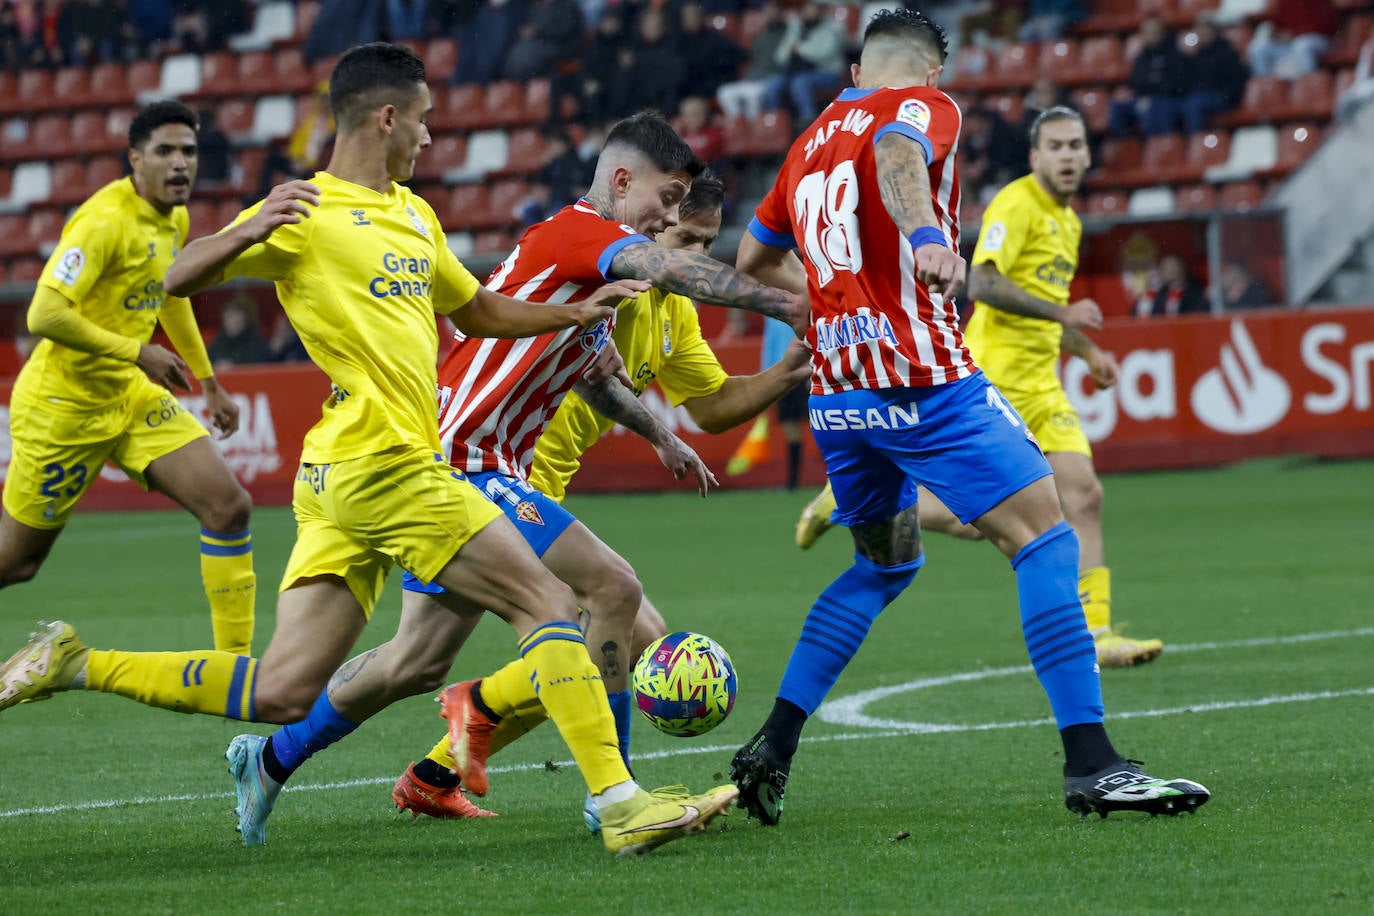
{"x": 1193, "y": 392}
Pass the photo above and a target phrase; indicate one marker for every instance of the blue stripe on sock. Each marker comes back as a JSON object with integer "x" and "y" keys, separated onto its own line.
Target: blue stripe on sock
{"x": 199, "y": 669}
{"x": 219, "y": 550}
{"x": 186, "y": 673}
{"x": 1067, "y": 653}
{"x": 1032, "y": 622}
{"x": 235, "y": 700}
{"x": 1036, "y": 642}
{"x": 560, "y": 630}
{"x": 226, "y": 536}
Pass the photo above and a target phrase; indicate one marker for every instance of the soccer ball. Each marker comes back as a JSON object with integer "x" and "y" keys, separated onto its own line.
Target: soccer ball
{"x": 684, "y": 684}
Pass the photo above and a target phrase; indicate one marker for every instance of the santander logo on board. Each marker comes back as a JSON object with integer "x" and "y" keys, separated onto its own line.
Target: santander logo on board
{"x": 1241, "y": 395}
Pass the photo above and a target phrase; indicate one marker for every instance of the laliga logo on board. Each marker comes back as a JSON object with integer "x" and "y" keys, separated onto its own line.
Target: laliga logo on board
{"x": 1242, "y": 395}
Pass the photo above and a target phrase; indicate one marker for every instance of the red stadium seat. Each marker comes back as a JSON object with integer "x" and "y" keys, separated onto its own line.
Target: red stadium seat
{"x": 235, "y": 118}
{"x": 1112, "y": 16}
{"x": 110, "y": 85}
{"x": 202, "y": 214}
{"x": 1240, "y": 197}
{"x": 1115, "y": 157}
{"x": 1265, "y": 96}
{"x": 447, "y": 152}
{"x": 69, "y": 185}
{"x": 1311, "y": 96}
{"x": 471, "y": 207}
{"x": 219, "y": 75}
{"x": 1159, "y": 157}
{"x": 6, "y": 182}
{"x": 1095, "y": 106}
{"x": 1204, "y": 150}
{"x": 71, "y": 88}
{"x": 117, "y": 128}
{"x": 771, "y": 134}
{"x": 460, "y": 107}
{"x": 1059, "y": 60}
{"x": 88, "y": 134}
{"x": 9, "y": 95}
{"x": 14, "y": 236}
{"x": 44, "y": 229}
{"x": 144, "y": 76}
{"x": 1109, "y": 203}
{"x": 33, "y": 89}
{"x": 290, "y": 72}
{"x": 1102, "y": 60}
{"x": 505, "y": 196}
{"x": 49, "y": 138}
{"x": 441, "y": 59}
{"x": 503, "y": 105}
{"x": 1296, "y": 143}
{"x": 1009, "y": 107}
{"x": 972, "y": 66}
{"x": 102, "y": 170}
{"x": 526, "y": 151}
{"x": 255, "y": 73}
{"x": 1014, "y": 67}
{"x": 1345, "y": 46}
{"x": 497, "y": 242}
{"x": 1196, "y": 198}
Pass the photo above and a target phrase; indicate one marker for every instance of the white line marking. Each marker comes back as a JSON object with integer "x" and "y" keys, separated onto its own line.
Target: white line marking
{"x": 901, "y": 729}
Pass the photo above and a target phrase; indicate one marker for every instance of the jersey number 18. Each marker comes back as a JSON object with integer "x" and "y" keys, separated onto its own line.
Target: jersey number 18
{"x": 825, "y": 205}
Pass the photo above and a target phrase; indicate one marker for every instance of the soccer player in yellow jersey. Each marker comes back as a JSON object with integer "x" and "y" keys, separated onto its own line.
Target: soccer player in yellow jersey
{"x": 361, "y": 266}
{"x": 1019, "y": 277}
{"x": 659, "y": 337}
{"x": 84, "y": 396}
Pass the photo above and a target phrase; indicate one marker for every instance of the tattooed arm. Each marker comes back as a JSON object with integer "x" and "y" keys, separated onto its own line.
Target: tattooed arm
{"x": 1101, "y": 364}
{"x": 706, "y": 280}
{"x": 612, "y": 399}
{"x": 904, "y": 183}
{"x": 987, "y": 285}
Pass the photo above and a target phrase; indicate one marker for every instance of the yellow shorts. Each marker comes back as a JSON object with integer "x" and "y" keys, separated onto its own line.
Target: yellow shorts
{"x": 60, "y": 447}
{"x": 356, "y": 518}
{"x": 1052, "y": 419}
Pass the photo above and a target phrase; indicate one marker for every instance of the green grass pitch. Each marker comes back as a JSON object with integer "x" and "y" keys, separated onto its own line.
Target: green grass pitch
{"x": 1258, "y": 577}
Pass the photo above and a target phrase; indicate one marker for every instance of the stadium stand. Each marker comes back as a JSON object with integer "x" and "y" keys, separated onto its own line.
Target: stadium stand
{"x": 63, "y": 128}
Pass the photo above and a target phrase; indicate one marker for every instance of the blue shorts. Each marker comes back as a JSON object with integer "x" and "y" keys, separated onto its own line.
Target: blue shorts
{"x": 960, "y": 440}
{"x": 537, "y": 517}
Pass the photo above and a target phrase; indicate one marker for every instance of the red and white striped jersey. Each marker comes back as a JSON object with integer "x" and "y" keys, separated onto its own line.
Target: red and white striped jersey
{"x": 873, "y": 325}
{"x": 496, "y": 396}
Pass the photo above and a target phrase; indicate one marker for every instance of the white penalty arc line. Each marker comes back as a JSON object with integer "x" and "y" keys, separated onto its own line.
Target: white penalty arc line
{"x": 906, "y": 729}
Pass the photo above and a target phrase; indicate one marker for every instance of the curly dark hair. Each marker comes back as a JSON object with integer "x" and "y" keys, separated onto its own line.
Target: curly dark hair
{"x": 911, "y": 24}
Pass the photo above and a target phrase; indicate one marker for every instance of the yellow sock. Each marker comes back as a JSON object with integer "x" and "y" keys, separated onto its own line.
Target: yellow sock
{"x": 226, "y": 568}
{"x": 570, "y": 688}
{"x": 509, "y": 689}
{"x": 213, "y": 682}
{"x": 1095, "y": 591}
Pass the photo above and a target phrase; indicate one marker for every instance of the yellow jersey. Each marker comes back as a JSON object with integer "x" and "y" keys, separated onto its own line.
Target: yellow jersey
{"x": 659, "y": 337}
{"x": 1033, "y": 242}
{"x": 109, "y": 263}
{"x": 360, "y": 281}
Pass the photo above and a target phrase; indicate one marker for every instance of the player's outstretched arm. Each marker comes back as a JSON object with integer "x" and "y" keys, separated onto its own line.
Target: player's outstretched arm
{"x": 201, "y": 264}
{"x": 904, "y": 183}
{"x": 491, "y": 314}
{"x": 987, "y": 285}
{"x": 613, "y": 400}
{"x": 707, "y": 280}
{"x": 744, "y": 397}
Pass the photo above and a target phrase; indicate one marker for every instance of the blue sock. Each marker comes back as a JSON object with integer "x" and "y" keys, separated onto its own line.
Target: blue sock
{"x": 836, "y": 627}
{"x": 291, "y": 745}
{"x": 1057, "y": 637}
{"x": 622, "y": 706}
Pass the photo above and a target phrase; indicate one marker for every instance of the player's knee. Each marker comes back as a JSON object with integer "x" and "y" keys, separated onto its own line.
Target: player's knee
{"x": 1084, "y": 499}
{"x": 233, "y": 511}
{"x": 888, "y": 581}
{"x": 551, "y": 600}
{"x": 20, "y": 571}
{"x": 618, "y": 593}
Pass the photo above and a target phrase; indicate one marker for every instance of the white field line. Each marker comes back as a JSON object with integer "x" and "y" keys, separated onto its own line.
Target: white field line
{"x": 901, "y": 729}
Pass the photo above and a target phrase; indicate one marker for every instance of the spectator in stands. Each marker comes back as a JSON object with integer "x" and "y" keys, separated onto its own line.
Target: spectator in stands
{"x": 341, "y": 24}
{"x": 11, "y": 42}
{"x": 407, "y": 20}
{"x": 1178, "y": 293}
{"x": 588, "y": 151}
{"x": 987, "y": 21}
{"x": 83, "y": 33}
{"x": 651, "y": 69}
{"x": 813, "y": 58}
{"x": 536, "y": 206}
{"x": 152, "y": 20}
{"x": 709, "y": 57}
{"x": 190, "y": 28}
{"x": 284, "y": 346}
{"x": 706, "y": 139}
{"x": 484, "y": 40}
{"x": 1044, "y": 94}
{"x": 224, "y": 18}
{"x": 1289, "y": 43}
{"x": 1158, "y": 82}
{"x": 550, "y": 32}
{"x": 561, "y": 172}
{"x": 599, "y": 64}
{"x": 213, "y": 151}
{"x": 1048, "y": 20}
{"x": 745, "y": 97}
{"x": 1216, "y": 78}
{"x": 1241, "y": 289}
{"x": 991, "y": 153}
{"x": 239, "y": 341}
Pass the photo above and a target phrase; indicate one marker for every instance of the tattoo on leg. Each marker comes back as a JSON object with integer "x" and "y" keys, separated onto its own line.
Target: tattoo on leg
{"x": 891, "y": 542}
{"x": 351, "y": 669}
{"x": 610, "y": 659}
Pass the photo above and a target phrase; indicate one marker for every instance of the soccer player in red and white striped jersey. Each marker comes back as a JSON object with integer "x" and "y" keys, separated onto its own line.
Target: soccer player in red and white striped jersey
{"x": 869, "y": 196}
